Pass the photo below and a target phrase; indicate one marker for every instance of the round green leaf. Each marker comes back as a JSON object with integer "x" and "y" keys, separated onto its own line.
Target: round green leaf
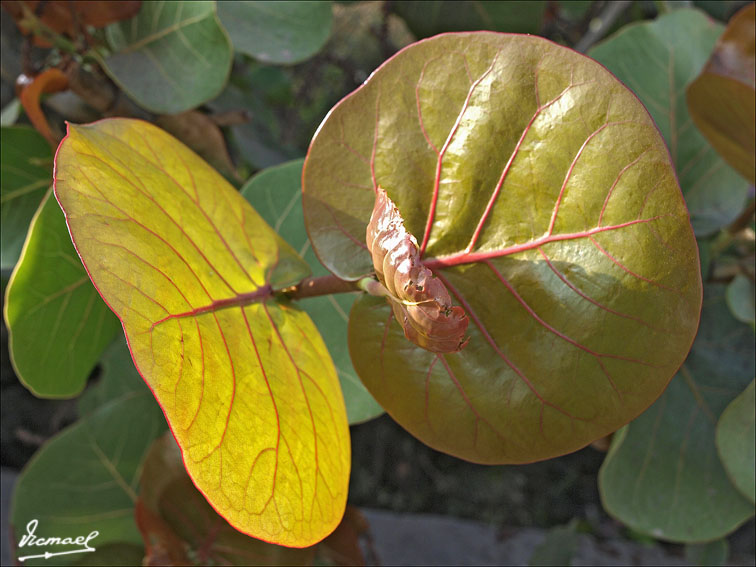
{"x": 740, "y": 299}
{"x": 662, "y": 475}
{"x": 658, "y": 60}
{"x": 171, "y": 57}
{"x": 58, "y": 324}
{"x": 541, "y": 193}
{"x": 25, "y": 175}
{"x": 736, "y": 439}
{"x": 276, "y": 194}
{"x": 277, "y": 32}
{"x": 86, "y": 478}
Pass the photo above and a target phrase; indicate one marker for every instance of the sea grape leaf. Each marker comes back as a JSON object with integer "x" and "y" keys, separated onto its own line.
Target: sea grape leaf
{"x": 420, "y": 301}
{"x": 25, "y": 175}
{"x": 429, "y": 18}
{"x": 736, "y": 440}
{"x": 277, "y": 32}
{"x": 171, "y": 57}
{"x": 176, "y": 520}
{"x": 722, "y": 100}
{"x": 543, "y": 198}
{"x": 57, "y": 324}
{"x": 662, "y": 475}
{"x": 198, "y": 131}
{"x": 85, "y": 478}
{"x": 658, "y": 60}
{"x": 740, "y": 299}
{"x": 117, "y": 378}
{"x": 246, "y": 383}
{"x": 276, "y": 193}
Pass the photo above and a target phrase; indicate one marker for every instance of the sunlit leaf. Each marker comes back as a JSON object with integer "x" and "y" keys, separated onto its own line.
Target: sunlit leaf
{"x": 86, "y": 478}
{"x": 736, "y": 442}
{"x": 722, "y": 100}
{"x": 542, "y": 196}
{"x": 175, "y": 520}
{"x": 245, "y": 381}
{"x": 25, "y": 175}
{"x": 658, "y": 60}
{"x": 276, "y": 193}
{"x": 277, "y": 32}
{"x": 199, "y": 132}
{"x": 171, "y": 57}
{"x": 662, "y": 475}
{"x": 58, "y": 325}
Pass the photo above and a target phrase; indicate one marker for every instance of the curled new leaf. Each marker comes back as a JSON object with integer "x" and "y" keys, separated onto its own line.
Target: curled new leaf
{"x": 420, "y": 301}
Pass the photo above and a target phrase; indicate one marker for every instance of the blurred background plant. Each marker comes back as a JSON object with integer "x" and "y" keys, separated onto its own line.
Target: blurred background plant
{"x": 245, "y": 84}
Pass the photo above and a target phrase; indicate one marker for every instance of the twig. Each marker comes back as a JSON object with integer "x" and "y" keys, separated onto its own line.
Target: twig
{"x": 605, "y": 21}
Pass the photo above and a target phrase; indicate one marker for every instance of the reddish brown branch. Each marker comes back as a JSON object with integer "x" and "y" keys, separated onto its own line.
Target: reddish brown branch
{"x": 323, "y": 285}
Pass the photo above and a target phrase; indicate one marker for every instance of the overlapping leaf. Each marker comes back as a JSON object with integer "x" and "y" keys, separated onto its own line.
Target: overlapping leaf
{"x": 736, "y": 442}
{"x": 176, "y": 521}
{"x": 542, "y": 196}
{"x": 277, "y": 32}
{"x": 86, "y": 478}
{"x": 246, "y": 382}
{"x": 25, "y": 175}
{"x": 171, "y": 57}
{"x": 276, "y": 193}
{"x": 662, "y": 476}
{"x": 722, "y": 100}
{"x": 658, "y": 60}
{"x": 58, "y": 325}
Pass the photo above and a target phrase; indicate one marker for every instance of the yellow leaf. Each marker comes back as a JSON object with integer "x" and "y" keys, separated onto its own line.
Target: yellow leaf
{"x": 245, "y": 381}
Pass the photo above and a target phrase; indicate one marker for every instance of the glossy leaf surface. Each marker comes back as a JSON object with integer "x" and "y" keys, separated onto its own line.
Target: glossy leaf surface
{"x": 25, "y": 175}
{"x": 543, "y": 198}
{"x": 171, "y": 57}
{"x": 736, "y": 442}
{"x": 276, "y": 193}
{"x": 722, "y": 100}
{"x": 175, "y": 520}
{"x": 662, "y": 475}
{"x": 277, "y": 32}
{"x": 86, "y": 478}
{"x": 658, "y": 60}
{"x": 57, "y": 323}
{"x": 246, "y": 383}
